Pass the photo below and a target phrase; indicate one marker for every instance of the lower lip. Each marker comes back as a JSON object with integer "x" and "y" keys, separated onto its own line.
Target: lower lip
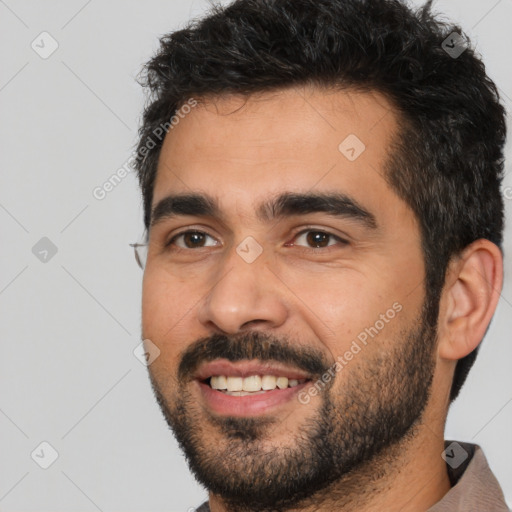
{"x": 248, "y": 405}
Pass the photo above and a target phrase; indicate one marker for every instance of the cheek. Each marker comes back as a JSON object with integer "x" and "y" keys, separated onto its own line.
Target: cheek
{"x": 341, "y": 305}
{"x": 336, "y": 303}
{"x": 167, "y": 306}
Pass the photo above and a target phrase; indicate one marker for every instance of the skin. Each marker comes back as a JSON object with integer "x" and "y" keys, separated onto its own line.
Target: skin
{"x": 243, "y": 151}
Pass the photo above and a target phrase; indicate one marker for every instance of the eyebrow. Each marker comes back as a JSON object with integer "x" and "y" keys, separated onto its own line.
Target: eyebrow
{"x": 287, "y": 204}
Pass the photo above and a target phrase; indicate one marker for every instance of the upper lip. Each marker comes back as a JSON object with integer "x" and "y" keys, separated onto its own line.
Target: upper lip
{"x": 247, "y": 368}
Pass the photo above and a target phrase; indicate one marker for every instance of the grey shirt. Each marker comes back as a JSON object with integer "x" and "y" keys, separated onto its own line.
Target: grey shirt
{"x": 474, "y": 487}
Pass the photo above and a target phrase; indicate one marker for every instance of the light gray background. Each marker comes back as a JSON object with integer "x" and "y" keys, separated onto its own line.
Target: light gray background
{"x": 69, "y": 326}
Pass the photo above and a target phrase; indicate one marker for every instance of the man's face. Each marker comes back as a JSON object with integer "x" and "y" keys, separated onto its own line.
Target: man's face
{"x": 329, "y": 287}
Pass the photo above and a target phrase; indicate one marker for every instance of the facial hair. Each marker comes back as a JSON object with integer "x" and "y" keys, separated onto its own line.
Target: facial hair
{"x": 382, "y": 398}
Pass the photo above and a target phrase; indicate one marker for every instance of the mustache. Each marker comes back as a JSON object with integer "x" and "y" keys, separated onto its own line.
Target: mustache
{"x": 251, "y": 345}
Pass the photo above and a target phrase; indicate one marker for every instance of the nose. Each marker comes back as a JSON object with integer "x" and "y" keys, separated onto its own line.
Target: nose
{"x": 244, "y": 296}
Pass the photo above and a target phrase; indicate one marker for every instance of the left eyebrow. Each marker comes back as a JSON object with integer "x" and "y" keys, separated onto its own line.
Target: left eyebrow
{"x": 333, "y": 204}
{"x": 287, "y": 204}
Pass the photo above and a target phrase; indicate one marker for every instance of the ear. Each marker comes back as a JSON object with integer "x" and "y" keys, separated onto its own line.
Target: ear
{"x": 471, "y": 293}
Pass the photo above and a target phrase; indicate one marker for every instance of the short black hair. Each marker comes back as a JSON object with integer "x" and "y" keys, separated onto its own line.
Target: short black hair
{"x": 447, "y": 160}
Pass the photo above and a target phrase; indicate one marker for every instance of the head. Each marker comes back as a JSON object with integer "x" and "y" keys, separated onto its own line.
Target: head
{"x": 350, "y": 119}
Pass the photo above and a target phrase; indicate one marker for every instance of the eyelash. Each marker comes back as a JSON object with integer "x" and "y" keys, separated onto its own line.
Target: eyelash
{"x": 314, "y": 250}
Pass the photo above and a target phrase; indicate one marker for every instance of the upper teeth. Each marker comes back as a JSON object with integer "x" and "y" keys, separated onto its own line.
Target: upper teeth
{"x": 252, "y": 383}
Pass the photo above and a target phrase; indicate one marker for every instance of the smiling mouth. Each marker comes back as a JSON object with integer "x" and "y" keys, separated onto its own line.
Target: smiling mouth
{"x": 250, "y": 385}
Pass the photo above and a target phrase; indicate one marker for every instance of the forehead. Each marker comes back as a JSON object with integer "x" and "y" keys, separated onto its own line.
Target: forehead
{"x": 244, "y": 149}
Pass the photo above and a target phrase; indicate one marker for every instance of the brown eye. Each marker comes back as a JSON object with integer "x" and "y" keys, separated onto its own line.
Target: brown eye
{"x": 317, "y": 239}
{"x": 191, "y": 240}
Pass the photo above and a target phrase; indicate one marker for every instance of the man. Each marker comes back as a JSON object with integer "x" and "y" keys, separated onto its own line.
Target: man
{"x": 324, "y": 223}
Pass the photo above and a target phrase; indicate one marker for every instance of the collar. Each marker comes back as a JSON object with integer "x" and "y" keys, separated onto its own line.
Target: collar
{"x": 474, "y": 486}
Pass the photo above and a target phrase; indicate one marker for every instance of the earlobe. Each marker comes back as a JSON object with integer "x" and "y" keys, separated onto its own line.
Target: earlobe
{"x": 471, "y": 293}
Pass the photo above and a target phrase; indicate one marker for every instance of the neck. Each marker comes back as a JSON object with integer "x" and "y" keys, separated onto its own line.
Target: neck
{"x": 410, "y": 476}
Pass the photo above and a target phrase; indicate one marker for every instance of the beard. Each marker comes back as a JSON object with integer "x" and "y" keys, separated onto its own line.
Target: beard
{"x": 378, "y": 405}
